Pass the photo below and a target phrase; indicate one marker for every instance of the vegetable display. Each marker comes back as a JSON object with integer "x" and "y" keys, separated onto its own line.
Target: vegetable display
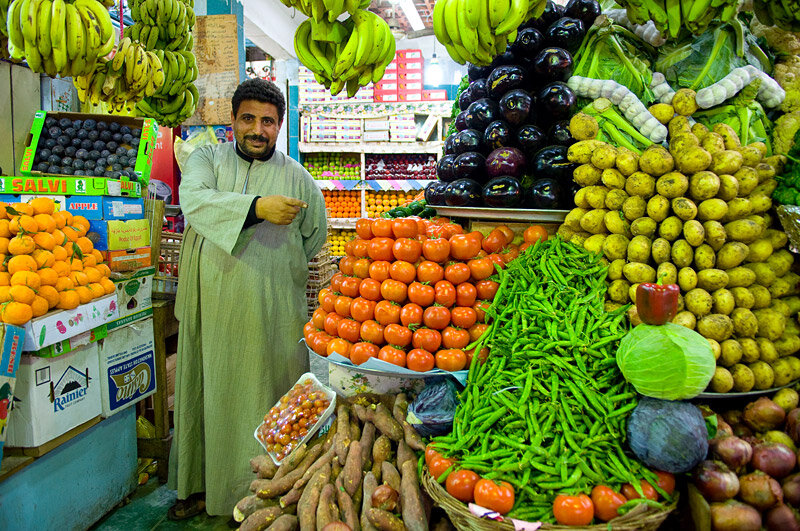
{"x": 670, "y": 18}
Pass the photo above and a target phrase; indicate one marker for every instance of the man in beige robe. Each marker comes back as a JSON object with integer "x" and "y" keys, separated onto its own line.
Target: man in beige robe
{"x": 254, "y": 219}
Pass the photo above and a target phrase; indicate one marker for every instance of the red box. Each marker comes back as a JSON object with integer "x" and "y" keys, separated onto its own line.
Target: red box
{"x": 413, "y": 65}
{"x": 128, "y": 260}
{"x": 408, "y": 53}
{"x": 414, "y": 95}
{"x": 388, "y": 96}
{"x": 434, "y": 95}
{"x": 385, "y": 86}
{"x": 409, "y": 86}
{"x": 164, "y": 174}
{"x": 410, "y": 75}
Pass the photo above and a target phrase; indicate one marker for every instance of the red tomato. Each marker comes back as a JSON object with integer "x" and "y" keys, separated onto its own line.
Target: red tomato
{"x": 364, "y": 228}
{"x": 324, "y": 292}
{"x": 466, "y": 294}
{"x": 370, "y": 289}
{"x": 524, "y": 246}
{"x": 404, "y": 228}
{"x": 511, "y": 253}
{"x": 666, "y": 481}
{"x": 494, "y": 241}
{"x": 454, "y": 338}
{"x": 649, "y": 492}
{"x": 422, "y": 226}
{"x": 430, "y": 453}
{"x": 379, "y": 270}
{"x": 346, "y": 265}
{"x": 411, "y": 315}
{"x": 393, "y": 290}
{"x": 477, "y": 235}
{"x": 421, "y": 294}
{"x": 361, "y": 267}
{"x": 462, "y": 316}
{"x": 464, "y": 247}
{"x": 426, "y": 339}
{"x": 392, "y": 355}
{"x": 382, "y": 228}
{"x": 436, "y": 250}
{"x": 407, "y": 249}
{"x": 495, "y": 496}
{"x": 328, "y": 302}
{"x": 535, "y": 233}
{"x": 483, "y": 355}
{"x": 480, "y": 308}
{"x": 439, "y": 465}
{"x": 457, "y": 273}
{"x": 381, "y": 249}
{"x": 402, "y": 271}
{"x": 362, "y": 309}
{"x": 481, "y": 268}
{"x": 606, "y": 502}
{"x": 332, "y": 323}
{"x": 486, "y": 289}
{"x": 451, "y": 359}
{"x": 339, "y": 346}
{"x": 308, "y": 329}
{"x": 445, "y": 293}
{"x": 348, "y": 248}
{"x": 350, "y": 286}
{"x": 497, "y": 260}
{"x": 318, "y": 318}
{"x": 420, "y": 360}
{"x": 507, "y": 232}
{"x": 451, "y": 229}
{"x": 436, "y": 317}
{"x": 387, "y": 312}
{"x": 361, "y": 352}
{"x": 397, "y": 335}
{"x": 429, "y": 272}
{"x": 477, "y": 330}
{"x": 360, "y": 248}
{"x": 336, "y": 282}
{"x": 318, "y": 342}
{"x": 349, "y": 329}
{"x": 461, "y": 484}
{"x": 372, "y": 331}
{"x": 342, "y": 305}
{"x": 573, "y": 510}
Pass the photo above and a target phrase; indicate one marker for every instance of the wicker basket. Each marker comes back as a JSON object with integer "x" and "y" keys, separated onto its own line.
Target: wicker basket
{"x": 165, "y": 283}
{"x": 641, "y": 518}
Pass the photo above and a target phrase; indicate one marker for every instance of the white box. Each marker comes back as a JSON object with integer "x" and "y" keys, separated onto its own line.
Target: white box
{"x": 376, "y": 124}
{"x": 53, "y": 395}
{"x": 59, "y": 325}
{"x": 376, "y": 136}
{"x": 135, "y": 291}
{"x": 127, "y": 366}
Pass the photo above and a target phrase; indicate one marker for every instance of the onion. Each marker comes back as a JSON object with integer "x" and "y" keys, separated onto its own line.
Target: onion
{"x": 760, "y": 490}
{"x": 763, "y": 414}
{"x": 385, "y": 497}
{"x": 733, "y": 417}
{"x": 732, "y": 451}
{"x": 734, "y": 516}
{"x": 337, "y": 526}
{"x": 791, "y": 489}
{"x": 715, "y": 481}
{"x": 793, "y": 425}
{"x": 775, "y": 459}
{"x": 781, "y": 518}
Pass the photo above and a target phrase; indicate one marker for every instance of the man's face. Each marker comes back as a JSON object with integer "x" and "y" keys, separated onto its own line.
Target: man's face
{"x": 256, "y": 127}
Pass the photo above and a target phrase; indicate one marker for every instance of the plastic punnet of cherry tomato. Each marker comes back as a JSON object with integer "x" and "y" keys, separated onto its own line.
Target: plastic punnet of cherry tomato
{"x": 292, "y": 418}
{"x": 413, "y": 292}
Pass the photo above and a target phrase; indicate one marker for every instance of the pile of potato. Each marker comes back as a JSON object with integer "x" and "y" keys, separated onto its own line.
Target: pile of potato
{"x": 696, "y": 215}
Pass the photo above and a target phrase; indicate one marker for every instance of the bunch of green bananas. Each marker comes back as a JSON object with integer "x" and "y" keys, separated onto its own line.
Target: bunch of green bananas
{"x": 347, "y": 54}
{"x": 172, "y": 112}
{"x": 785, "y": 14}
{"x": 176, "y": 99}
{"x": 319, "y": 10}
{"x": 162, "y": 24}
{"x": 478, "y": 30}
{"x": 131, "y": 75}
{"x": 59, "y": 38}
{"x": 669, "y": 16}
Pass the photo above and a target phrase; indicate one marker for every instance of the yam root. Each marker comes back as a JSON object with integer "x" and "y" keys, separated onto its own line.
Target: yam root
{"x": 414, "y": 513}
{"x": 261, "y": 519}
{"x": 390, "y": 475}
{"x": 413, "y": 438}
{"x": 327, "y": 511}
{"x": 361, "y": 413}
{"x": 384, "y": 520}
{"x": 322, "y": 461}
{"x": 291, "y": 462}
{"x": 287, "y": 522}
{"x": 247, "y": 506}
{"x": 277, "y": 487}
{"x": 404, "y": 453}
{"x": 352, "y": 469}
{"x": 400, "y": 408}
{"x": 385, "y": 423}
{"x": 336, "y": 469}
{"x": 381, "y": 451}
{"x": 329, "y": 437}
{"x": 263, "y": 466}
{"x": 370, "y": 484}
{"x": 347, "y": 507}
{"x": 367, "y": 440}
{"x": 307, "y": 506}
{"x": 342, "y": 439}
{"x": 355, "y": 428}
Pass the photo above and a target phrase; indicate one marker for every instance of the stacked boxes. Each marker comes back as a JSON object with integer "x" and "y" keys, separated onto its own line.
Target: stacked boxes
{"x": 410, "y": 65}
{"x": 323, "y": 129}
{"x": 376, "y": 129}
{"x": 386, "y": 89}
{"x": 402, "y": 128}
{"x": 312, "y": 92}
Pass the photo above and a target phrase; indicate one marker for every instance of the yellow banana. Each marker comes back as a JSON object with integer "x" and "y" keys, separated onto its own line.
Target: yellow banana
{"x": 33, "y": 57}
{"x": 28, "y": 22}
{"x": 451, "y": 21}
{"x": 60, "y": 56}
{"x": 379, "y": 30}
{"x": 15, "y": 36}
{"x": 73, "y": 30}
{"x": 93, "y": 30}
{"x": 515, "y": 17}
{"x": 101, "y": 16}
{"x": 119, "y": 58}
{"x": 439, "y": 29}
{"x": 43, "y": 28}
{"x": 364, "y": 28}
{"x": 469, "y": 36}
{"x": 498, "y": 10}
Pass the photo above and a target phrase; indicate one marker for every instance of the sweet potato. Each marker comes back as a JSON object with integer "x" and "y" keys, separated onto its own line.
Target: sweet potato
{"x": 263, "y": 466}
{"x": 287, "y": 522}
{"x": 361, "y": 412}
{"x": 326, "y": 459}
{"x": 404, "y": 453}
{"x": 261, "y": 519}
{"x": 352, "y": 468}
{"x": 370, "y": 484}
{"x": 329, "y": 437}
{"x": 355, "y": 428}
{"x": 347, "y": 507}
{"x": 327, "y": 511}
{"x": 384, "y": 520}
{"x": 400, "y": 408}
{"x": 277, "y": 487}
{"x": 336, "y": 469}
{"x": 291, "y": 462}
{"x": 390, "y": 475}
{"x": 367, "y": 440}
{"x": 342, "y": 439}
{"x": 385, "y": 423}
{"x": 307, "y": 506}
{"x": 414, "y": 514}
{"x": 412, "y": 438}
{"x": 247, "y": 506}
{"x": 381, "y": 451}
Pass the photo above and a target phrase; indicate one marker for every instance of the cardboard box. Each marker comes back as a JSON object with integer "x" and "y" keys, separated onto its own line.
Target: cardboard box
{"x": 376, "y": 136}
{"x": 131, "y": 318}
{"x": 434, "y": 95}
{"x": 11, "y": 338}
{"x": 53, "y": 395}
{"x": 409, "y": 76}
{"x": 129, "y": 260}
{"x": 56, "y": 326}
{"x": 427, "y": 128}
{"x": 59, "y": 200}
{"x": 164, "y": 178}
{"x": 385, "y": 86}
{"x": 405, "y": 87}
{"x": 410, "y": 96}
{"x": 389, "y": 96}
{"x": 59, "y": 185}
{"x": 135, "y": 291}
{"x": 127, "y": 366}
{"x": 408, "y": 53}
{"x": 117, "y": 235}
{"x": 376, "y": 124}
{"x": 99, "y": 207}
{"x": 144, "y": 154}
{"x": 409, "y": 65}
{"x": 68, "y": 345}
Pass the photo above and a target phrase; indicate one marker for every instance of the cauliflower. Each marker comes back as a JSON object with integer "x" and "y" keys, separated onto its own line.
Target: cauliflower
{"x": 785, "y": 129}
{"x": 781, "y": 41}
{"x": 787, "y": 74}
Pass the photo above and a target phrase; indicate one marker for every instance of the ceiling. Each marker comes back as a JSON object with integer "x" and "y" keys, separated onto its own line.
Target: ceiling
{"x": 386, "y": 9}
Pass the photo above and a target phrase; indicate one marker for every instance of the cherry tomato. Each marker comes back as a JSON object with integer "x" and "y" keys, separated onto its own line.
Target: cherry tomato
{"x": 397, "y": 335}
{"x": 429, "y": 272}
{"x": 535, "y": 233}
{"x": 370, "y": 289}
{"x": 404, "y": 228}
{"x": 438, "y": 465}
{"x": 462, "y": 317}
{"x": 350, "y": 330}
{"x": 649, "y": 492}
{"x": 361, "y": 268}
{"x": 477, "y": 330}
{"x": 318, "y": 318}
{"x": 379, "y": 270}
{"x": 339, "y": 346}
{"x": 411, "y": 315}
{"x": 494, "y": 241}
{"x": 507, "y": 232}
{"x": 454, "y": 338}
{"x": 362, "y": 309}
{"x": 421, "y": 294}
{"x": 445, "y": 293}
{"x": 457, "y": 273}
{"x": 402, "y": 271}
{"x": 481, "y": 268}
{"x": 573, "y": 510}
{"x": 464, "y": 247}
{"x": 392, "y": 355}
{"x": 393, "y": 290}
{"x": 451, "y": 359}
{"x": 420, "y": 360}
{"x": 381, "y": 249}
{"x": 372, "y": 331}
{"x": 486, "y": 289}
{"x": 466, "y": 294}
{"x": 427, "y": 339}
{"x": 407, "y": 249}
{"x": 350, "y": 286}
{"x": 362, "y": 351}
{"x": 381, "y": 228}
{"x": 364, "y": 228}
{"x": 436, "y": 317}
{"x": 495, "y": 496}
{"x": 346, "y": 265}
{"x": 606, "y": 502}
{"x": 332, "y": 323}
{"x": 342, "y": 305}
{"x": 666, "y": 481}
{"x": 436, "y": 250}
{"x": 461, "y": 484}
{"x": 387, "y": 312}
{"x": 360, "y": 248}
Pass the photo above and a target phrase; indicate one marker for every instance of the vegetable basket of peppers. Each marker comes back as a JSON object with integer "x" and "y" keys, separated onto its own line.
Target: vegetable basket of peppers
{"x": 642, "y": 517}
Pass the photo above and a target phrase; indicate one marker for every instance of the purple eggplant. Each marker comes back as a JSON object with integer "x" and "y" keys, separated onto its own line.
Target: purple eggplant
{"x": 465, "y": 98}
{"x": 481, "y": 113}
{"x": 503, "y": 192}
{"x": 531, "y": 139}
{"x": 584, "y": 10}
{"x": 479, "y": 89}
{"x": 505, "y": 161}
{"x": 552, "y": 161}
{"x": 559, "y": 134}
{"x": 528, "y": 43}
{"x": 504, "y": 59}
{"x": 553, "y": 64}
{"x": 477, "y": 72}
{"x": 445, "y": 169}
{"x": 505, "y": 78}
{"x": 461, "y": 121}
{"x": 515, "y": 106}
{"x": 450, "y": 145}
{"x": 468, "y": 140}
{"x": 544, "y": 193}
{"x": 470, "y": 165}
{"x": 551, "y": 13}
{"x": 435, "y": 193}
{"x": 565, "y": 33}
{"x": 555, "y": 102}
{"x": 463, "y": 192}
{"x": 497, "y": 134}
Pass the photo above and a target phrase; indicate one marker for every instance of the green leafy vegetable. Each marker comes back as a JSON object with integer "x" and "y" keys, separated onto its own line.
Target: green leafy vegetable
{"x": 461, "y": 88}
{"x": 788, "y": 190}
{"x": 614, "y": 127}
{"x": 670, "y": 362}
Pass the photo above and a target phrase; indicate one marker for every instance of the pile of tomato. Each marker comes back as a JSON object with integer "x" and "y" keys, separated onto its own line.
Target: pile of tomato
{"x": 412, "y": 292}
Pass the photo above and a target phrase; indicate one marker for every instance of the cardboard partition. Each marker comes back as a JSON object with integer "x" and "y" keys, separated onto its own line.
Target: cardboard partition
{"x": 107, "y": 208}
{"x": 127, "y": 366}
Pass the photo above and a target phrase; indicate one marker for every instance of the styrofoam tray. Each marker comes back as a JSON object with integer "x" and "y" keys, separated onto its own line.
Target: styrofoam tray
{"x": 318, "y": 386}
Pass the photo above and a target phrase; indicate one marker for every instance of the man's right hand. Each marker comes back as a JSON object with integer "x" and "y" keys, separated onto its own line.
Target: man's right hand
{"x": 278, "y": 209}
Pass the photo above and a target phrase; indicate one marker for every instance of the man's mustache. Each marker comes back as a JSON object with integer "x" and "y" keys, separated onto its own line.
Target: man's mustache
{"x": 257, "y": 138}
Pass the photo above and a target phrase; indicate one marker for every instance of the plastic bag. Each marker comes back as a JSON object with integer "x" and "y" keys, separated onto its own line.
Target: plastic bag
{"x": 201, "y": 137}
{"x": 432, "y": 412}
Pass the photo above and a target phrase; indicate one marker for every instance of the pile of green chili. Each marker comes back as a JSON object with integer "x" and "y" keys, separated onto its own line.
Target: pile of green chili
{"x": 548, "y": 410}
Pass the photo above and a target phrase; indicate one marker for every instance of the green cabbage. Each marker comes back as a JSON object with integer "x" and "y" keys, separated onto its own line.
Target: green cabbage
{"x": 669, "y": 362}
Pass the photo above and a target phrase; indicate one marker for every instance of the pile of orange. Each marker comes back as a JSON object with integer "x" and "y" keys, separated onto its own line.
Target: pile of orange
{"x": 342, "y": 203}
{"x": 379, "y": 202}
{"x": 46, "y": 261}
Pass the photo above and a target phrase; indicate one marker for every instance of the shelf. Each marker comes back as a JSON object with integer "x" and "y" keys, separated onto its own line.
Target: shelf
{"x": 503, "y": 214}
{"x": 342, "y": 223}
{"x": 373, "y": 184}
{"x": 373, "y": 147}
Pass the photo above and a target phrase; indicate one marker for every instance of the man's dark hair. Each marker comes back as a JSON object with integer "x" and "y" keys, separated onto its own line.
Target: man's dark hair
{"x": 259, "y": 90}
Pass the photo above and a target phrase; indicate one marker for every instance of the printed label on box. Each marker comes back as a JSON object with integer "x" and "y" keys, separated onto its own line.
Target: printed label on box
{"x": 127, "y": 366}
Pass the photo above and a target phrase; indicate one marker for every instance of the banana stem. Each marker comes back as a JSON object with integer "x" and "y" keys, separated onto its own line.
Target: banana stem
{"x": 618, "y": 138}
{"x": 719, "y": 42}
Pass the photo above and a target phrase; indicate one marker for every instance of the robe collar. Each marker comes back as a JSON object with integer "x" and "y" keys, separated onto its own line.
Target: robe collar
{"x": 250, "y": 159}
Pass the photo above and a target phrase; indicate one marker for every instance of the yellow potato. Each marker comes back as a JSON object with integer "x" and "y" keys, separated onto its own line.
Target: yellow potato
{"x": 761, "y": 296}
{"x": 613, "y": 179}
{"x": 767, "y": 350}
{"x": 771, "y": 324}
{"x": 740, "y": 277}
{"x": 731, "y": 255}
{"x": 693, "y": 160}
{"x": 751, "y": 155}
{"x": 670, "y": 228}
{"x": 592, "y": 222}
{"x": 793, "y": 303}
{"x": 731, "y": 353}
{"x": 784, "y": 374}
{"x": 579, "y": 237}
{"x": 713, "y": 143}
{"x": 728, "y": 187}
{"x": 632, "y": 294}
{"x": 681, "y": 142}
{"x": 615, "y": 269}
{"x": 760, "y": 146}
{"x": 633, "y": 316}
{"x": 604, "y": 156}
{"x": 787, "y": 344}
{"x": 615, "y": 199}
{"x": 580, "y": 199}
{"x": 684, "y": 208}
{"x": 728, "y": 161}
{"x": 627, "y": 161}
{"x": 763, "y": 375}
{"x": 777, "y": 238}
{"x": 673, "y": 184}
{"x": 765, "y": 276}
{"x": 724, "y": 302}
{"x": 704, "y": 257}
{"x": 703, "y": 185}
{"x": 742, "y": 297}
{"x": 684, "y": 102}
{"x": 658, "y": 208}
{"x": 583, "y": 126}
{"x": 618, "y": 291}
{"x": 765, "y": 171}
{"x": 573, "y": 218}
{"x": 715, "y": 348}
{"x": 565, "y": 233}
{"x": 682, "y": 253}
{"x": 738, "y": 208}
{"x": 616, "y": 224}
{"x": 712, "y": 279}
{"x": 759, "y": 250}
{"x": 685, "y": 318}
{"x": 661, "y": 250}
{"x": 784, "y": 286}
{"x": 743, "y": 378}
{"x": 610, "y": 306}
{"x": 765, "y": 188}
{"x": 596, "y": 196}
{"x": 679, "y": 125}
{"x": 587, "y": 175}
{"x": 637, "y": 273}
{"x": 656, "y": 161}
{"x": 694, "y": 232}
{"x": 728, "y": 134}
{"x": 634, "y": 207}
{"x": 699, "y": 130}
{"x": 750, "y": 351}
{"x": 639, "y": 249}
{"x": 667, "y": 272}
{"x": 581, "y": 152}
{"x": 780, "y": 261}
{"x": 594, "y": 243}
{"x": 761, "y": 202}
{"x": 745, "y": 323}
{"x": 715, "y": 326}
{"x": 643, "y": 226}
{"x": 699, "y": 302}
{"x": 663, "y": 112}
{"x": 714, "y": 234}
{"x": 747, "y": 178}
{"x": 722, "y": 381}
{"x": 640, "y": 184}
{"x": 687, "y": 279}
{"x": 712, "y": 210}
{"x": 615, "y": 246}
{"x": 744, "y": 230}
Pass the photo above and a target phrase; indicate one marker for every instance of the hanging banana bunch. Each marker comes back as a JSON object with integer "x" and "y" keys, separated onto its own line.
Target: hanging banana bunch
{"x": 176, "y": 99}
{"x": 59, "y": 38}
{"x": 785, "y": 15}
{"x": 162, "y": 24}
{"x": 322, "y": 10}
{"x": 669, "y": 16}
{"x": 349, "y": 54}
{"x": 478, "y": 30}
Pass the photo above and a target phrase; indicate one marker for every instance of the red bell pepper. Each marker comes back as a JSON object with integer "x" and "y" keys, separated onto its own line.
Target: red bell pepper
{"x": 657, "y": 304}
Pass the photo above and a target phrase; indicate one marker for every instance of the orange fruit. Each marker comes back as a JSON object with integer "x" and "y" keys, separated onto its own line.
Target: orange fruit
{"x": 61, "y": 268}
{"x": 107, "y": 285}
{"x": 80, "y": 223}
{"x": 26, "y": 278}
{"x": 60, "y": 237}
{"x": 89, "y": 261}
{"x": 84, "y": 293}
{"x": 93, "y": 274}
{"x": 76, "y": 265}
{"x": 39, "y": 306}
{"x": 68, "y": 300}
{"x": 21, "y": 245}
{"x": 71, "y": 233}
{"x": 60, "y": 253}
{"x": 104, "y": 269}
{"x": 42, "y": 205}
{"x": 43, "y": 258}
{"x": 67, "y": 215}
{"x": 24, "y": 224}
{"x": 4, "y": 245}
{"x": 22, "y": 209}
{"x": 50, "y": 294}
{"x": 64, "y": 283}
{"x": 16, "y": 313}
{"x": 60, "y": 218}
{"x": 21, "y": 293}
{"x": 45, "y": 222}
{"x": 79, "y": 278}
{"x": 5, "y": 293}
{"x": 5, "y": 279}
{"x": 4, "y": 228}
{"x": 85, "y": 245}
{"x": 98, "y": 256}
{"x": 22, "y": 262}
{"x": 45, "y": 240}
{"x": 97, "y": 290}
{"x": 48, "y": 276}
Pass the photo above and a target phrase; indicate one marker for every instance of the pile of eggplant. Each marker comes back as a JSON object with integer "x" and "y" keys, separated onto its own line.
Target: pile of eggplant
{"x": 510, "y": 145}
